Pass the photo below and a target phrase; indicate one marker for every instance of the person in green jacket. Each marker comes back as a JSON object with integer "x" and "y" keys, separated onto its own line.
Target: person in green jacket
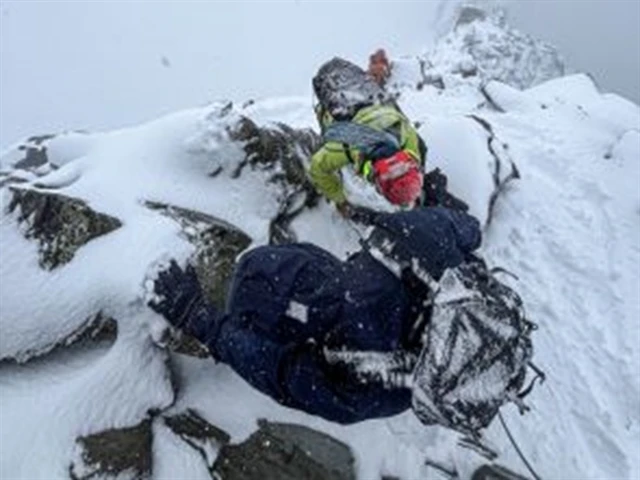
{"x": 363, "y": 128}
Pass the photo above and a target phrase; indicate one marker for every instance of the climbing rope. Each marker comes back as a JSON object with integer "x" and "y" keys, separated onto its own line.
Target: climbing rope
{"x": 515, "y": 445}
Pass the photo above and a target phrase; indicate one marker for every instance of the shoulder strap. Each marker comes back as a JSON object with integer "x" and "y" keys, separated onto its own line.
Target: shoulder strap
{"x": 374, "y": 144}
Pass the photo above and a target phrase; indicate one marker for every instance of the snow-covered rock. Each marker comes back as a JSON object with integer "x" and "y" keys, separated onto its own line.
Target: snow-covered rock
{"x": 208, "y": 183}
{"x": 70, "y": 272}
{"x": 482, "y": 47}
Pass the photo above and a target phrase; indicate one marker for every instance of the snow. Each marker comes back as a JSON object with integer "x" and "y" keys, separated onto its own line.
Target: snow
{"x": 298, "y": 311}
{"x": 570, "y": 231}
{"x": 457, "y": 145}
{"x": 47, "y": 405}
{"x": 569, "y": 228}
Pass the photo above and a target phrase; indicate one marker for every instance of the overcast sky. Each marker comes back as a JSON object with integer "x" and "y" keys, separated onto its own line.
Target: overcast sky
{"x": 601, "y": 37}
{"x": 106, "y": 64}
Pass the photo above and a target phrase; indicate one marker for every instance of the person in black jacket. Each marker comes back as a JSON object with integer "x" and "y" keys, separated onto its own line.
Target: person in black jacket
{"x": 295, "y": 312}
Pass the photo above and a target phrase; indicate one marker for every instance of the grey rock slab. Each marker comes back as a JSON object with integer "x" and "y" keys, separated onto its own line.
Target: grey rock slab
{"x": 282, "y": 451}
{"x": 204, "y": 437}
{"x": 114, "y": 453}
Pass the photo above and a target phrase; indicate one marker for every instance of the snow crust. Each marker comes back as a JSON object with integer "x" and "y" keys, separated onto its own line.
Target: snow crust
{"x": 569, "y": 228}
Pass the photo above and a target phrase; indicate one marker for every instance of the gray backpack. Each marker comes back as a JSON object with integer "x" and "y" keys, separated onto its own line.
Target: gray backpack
{"x": 342, "y": 88}
{"x": 477, "y": 349}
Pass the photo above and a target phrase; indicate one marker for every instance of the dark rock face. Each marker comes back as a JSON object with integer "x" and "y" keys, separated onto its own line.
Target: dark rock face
{"x": 108, "y": 454}
{"x": 185, "y": 345}
{"x": 95, "y": 329}
{"x": 280, "y": 451}
{"x": 468, "y": 14}
{"x": 35, "y": 152}
{"x": 59, "y": 223}
{"x": 199, "y": 434}
{"x": 495, "y": 472}
{"x": 282, "y": 151}
{"x": 31, "y": 157}
{"x": 276, "y": 451}
{"x": 217, "y": 246}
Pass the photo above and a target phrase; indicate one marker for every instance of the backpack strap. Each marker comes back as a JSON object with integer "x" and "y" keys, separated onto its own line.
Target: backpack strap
{"x": 539, "y": 375}
{"x": 347, "y": 152}
{"x": 374, "y": 144}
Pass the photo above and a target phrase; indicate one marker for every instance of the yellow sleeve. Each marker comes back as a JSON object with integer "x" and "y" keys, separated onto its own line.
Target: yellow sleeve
{"x": 410, "y": 141}
{"x": 325, "y": 171}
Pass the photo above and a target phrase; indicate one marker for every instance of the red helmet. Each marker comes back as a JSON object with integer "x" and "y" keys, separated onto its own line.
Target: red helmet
{"x": 399, "y": 178}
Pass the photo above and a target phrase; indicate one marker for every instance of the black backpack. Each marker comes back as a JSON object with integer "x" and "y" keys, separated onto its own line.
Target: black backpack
{"x": 342, "y": 88}
{"x": 477, "y": 349}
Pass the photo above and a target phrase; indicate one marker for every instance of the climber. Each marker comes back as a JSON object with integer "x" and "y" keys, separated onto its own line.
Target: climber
{"x": 289, "y": 304}
{"x": 363, "y": 127}
{"x": 412, "y": 320}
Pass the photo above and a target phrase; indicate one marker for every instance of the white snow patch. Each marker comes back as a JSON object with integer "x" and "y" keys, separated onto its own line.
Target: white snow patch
{"x": 298, "y": 311}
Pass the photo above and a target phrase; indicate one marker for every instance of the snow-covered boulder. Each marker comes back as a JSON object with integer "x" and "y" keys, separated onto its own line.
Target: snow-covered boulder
{"x": 286, "y": 451}
{"x": 86, "y": 220}
{"x": 71, "y": 196}
{"x": 482, "y": 46}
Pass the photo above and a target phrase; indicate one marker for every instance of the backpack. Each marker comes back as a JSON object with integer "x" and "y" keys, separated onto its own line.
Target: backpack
{"x": 477, "y": 347}
{"x": 342, "y": 88}
{"x": 371, "y": 143}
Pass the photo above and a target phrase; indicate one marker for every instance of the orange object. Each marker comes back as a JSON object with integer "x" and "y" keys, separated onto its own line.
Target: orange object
{"x": 379, "y": 66}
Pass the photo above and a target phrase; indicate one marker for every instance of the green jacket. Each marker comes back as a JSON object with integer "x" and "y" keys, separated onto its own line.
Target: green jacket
{"x": 327, "y": 162}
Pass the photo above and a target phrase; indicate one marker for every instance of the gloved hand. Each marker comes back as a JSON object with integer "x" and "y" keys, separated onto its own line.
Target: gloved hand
{"x": 352, "y": 368}
{"x": 436, "y": 193}
{"x": 345, "y": 209}
{"x": 179, "y": 297}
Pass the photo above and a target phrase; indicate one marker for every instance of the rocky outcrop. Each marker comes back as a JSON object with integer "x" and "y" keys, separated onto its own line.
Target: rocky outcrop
{"x": 281, "y": 151}
{"x": 35, "y": 152}
{"x": 282, "y": 451}
{"x": 482, "y": 47}
{"x": 496, "y": 472}
{"x": 98, "y": 328}
{"x": 60, "y": 224}
{"x": 114, "y": 453}
{"x": 217, "y": 245}
{"x": 199, "y": 434}
{"x": 276, "y": 451}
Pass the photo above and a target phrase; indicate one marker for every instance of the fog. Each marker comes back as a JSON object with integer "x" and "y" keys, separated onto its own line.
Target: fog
{"x": 601, "y": 37}
{"x": 85, "y": 65}
{"x": 102, "y": 65}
